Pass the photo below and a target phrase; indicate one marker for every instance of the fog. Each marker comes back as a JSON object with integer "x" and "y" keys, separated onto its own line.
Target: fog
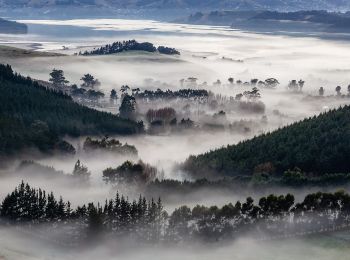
{"x": 16, "y": 245}
{"x": 208, "y": 53}
{"x": 319, "y": 62}
{"x": 263, "y": 56}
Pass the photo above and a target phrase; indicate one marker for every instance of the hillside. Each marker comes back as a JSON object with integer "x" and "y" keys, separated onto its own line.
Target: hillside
{"x": 13, "y": 52}
{"x": 32, "y": 116}
{"x": 271, "y": 19}
{"x": 322, "y": 17}
{"x": 194, "y": 4}
{"x": 12, "y": 27}
{"x": 319, "y": 145}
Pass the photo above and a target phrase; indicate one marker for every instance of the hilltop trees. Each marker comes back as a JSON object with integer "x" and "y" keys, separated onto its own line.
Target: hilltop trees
{"x": 130, "y": 45}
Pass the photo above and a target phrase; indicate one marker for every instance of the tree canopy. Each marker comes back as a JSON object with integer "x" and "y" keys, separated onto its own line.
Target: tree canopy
{"x": 33, "y": 116}
{"x": 319, "y": 145}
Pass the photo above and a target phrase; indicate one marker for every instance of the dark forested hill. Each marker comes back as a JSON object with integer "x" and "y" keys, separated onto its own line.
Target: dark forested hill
{"x": 319, "y": 145}
{"x": 12, "y": 27}
{"x": 32, "y": 116}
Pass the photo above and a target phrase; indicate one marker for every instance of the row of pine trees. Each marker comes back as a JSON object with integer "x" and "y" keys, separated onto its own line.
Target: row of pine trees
{"x": 147, "y": 221}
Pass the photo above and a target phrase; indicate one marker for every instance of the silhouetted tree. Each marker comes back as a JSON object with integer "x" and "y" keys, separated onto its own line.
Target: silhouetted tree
{"x": 89, "y": 81}
{"x": 321, "y": 91}
{"x": 81, "y": 172}
{"x": 128, "y": 107}
{"x": 338, "y": 90}
{"x": 57, "y": 78}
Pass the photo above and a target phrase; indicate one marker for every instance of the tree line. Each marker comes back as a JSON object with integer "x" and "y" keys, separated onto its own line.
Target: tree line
{"x": 147, "y": 221}
{"x": 130, "y": 45}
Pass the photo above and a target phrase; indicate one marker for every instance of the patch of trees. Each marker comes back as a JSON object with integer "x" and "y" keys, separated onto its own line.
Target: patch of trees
{"x": 168, "y": 51}
{"x": 147, "y": 221}
{"x": 30, "y": 168}
{"x": 58, "y": 79}
{"x": 296, "y": 85}
{"x": 130, "y": 45}
{"x": 109, "y": 145}
{"x": 87, "y": 90}
{"x": 166, "y": 115}
{"x": 318, "y": 145}
{"x": 80, "y": 174}
{"x": 260, "y": 182}
{"x": 34, "y": 116}
{"x": 271, "y": 83}
{"x": 169, "y": 94}
{"x": 90, "y": 82}
{"x": 138, "y": 173}
{"x": 141, "y": 219}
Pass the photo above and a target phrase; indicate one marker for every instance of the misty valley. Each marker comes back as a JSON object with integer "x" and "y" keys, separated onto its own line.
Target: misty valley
{"x": 203, "y": 135}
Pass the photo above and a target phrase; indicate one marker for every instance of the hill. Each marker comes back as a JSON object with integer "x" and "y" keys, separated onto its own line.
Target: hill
{"x": 193, "y": 4}
{"x": 12, "y": 27}
{"x": 33, "y": 116}
{"x": 130, "y": 45}
{"x": 317, "y": 145}
{"x": 277, "y": 19}
{"x": 13, "y": 52}
{"x": 336, "y": 20}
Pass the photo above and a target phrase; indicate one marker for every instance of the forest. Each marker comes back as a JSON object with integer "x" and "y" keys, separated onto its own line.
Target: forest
{"x": 316, "y": 145}
{"x": 146, "y": 221}
{"x": 32, "y": 116}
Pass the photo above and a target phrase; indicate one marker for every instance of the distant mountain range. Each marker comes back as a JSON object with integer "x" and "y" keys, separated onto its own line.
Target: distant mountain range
{"x": 329, "y": 20}
{"x": 283, "y": 5}
{"x": 12, "y": 27}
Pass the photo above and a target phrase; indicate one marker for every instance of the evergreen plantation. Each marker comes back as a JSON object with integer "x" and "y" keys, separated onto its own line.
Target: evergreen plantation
{"x": 146, "y": 221}
{"x": 316, "y": 145}
{"x": 33, "y": 116}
